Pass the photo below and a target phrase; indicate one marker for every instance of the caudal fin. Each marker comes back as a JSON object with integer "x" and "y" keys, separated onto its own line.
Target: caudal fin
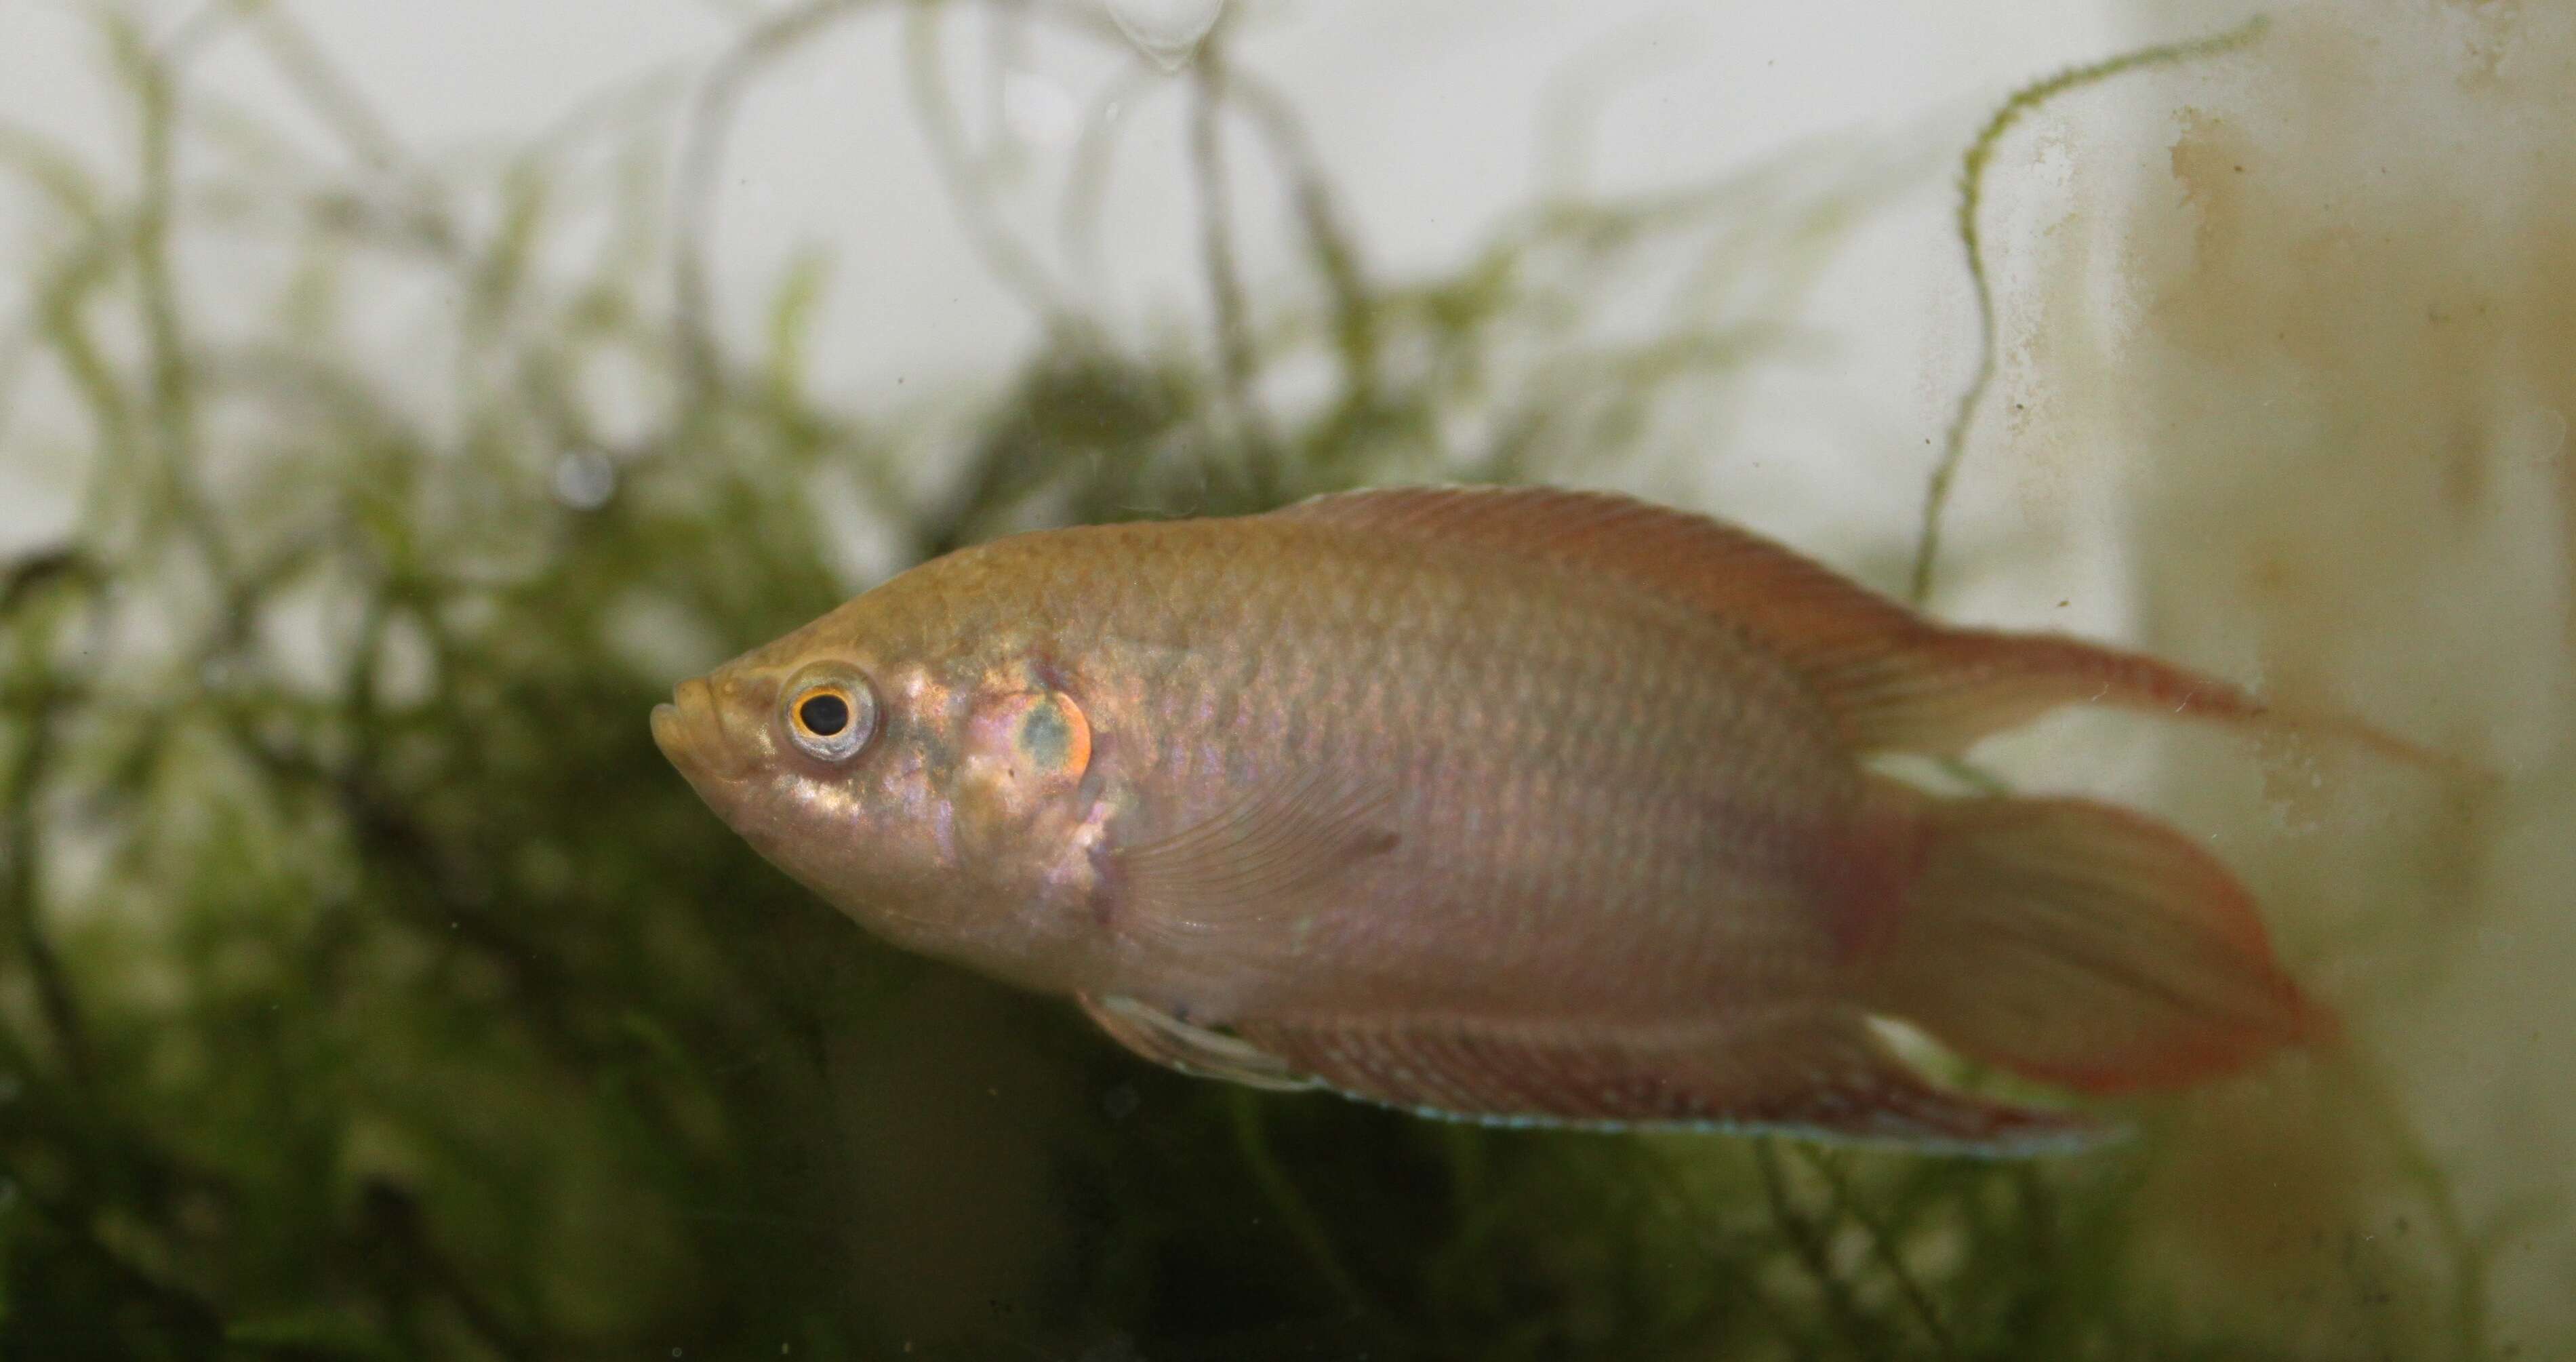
{"x": 2080, "y": 945}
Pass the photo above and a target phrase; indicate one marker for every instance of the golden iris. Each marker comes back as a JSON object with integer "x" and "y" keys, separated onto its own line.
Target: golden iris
{"x": 832, "y": 720}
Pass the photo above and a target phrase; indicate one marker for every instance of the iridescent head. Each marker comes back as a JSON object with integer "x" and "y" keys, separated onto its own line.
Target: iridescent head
{"x": 920, "y": 770}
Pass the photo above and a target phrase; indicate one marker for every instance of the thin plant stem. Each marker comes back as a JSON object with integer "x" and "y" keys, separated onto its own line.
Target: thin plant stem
{"x": 1235, "y": 359}
{"x": 2416, "y": 1164}
{"x": 1252, "y": 1141}
{"x": 945, "y": 135}
{"x": 1810, "y": 1249}
{"x": 1972, "y": 181}
{"x": 702, "y": 148}
{"x": 1330, "y": 242}
{"x": 1883, "y": 1246}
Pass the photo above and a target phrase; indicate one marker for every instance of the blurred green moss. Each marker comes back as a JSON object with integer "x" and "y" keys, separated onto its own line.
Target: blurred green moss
{"x": 373, "y": 989}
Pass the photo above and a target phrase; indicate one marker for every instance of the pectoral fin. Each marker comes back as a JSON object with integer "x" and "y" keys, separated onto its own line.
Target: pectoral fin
{"x": 1273, "y": 854}
{"x": 1192, "y": 1049}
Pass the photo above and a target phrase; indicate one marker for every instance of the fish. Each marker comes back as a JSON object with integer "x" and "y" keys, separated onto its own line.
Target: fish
{"x": 1512, "y": 805}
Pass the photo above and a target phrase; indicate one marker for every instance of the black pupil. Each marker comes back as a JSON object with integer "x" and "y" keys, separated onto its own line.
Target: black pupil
{"x": 824, "y": 715}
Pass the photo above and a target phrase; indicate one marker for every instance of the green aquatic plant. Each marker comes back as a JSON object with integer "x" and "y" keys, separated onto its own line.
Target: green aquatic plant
{"x": 1973, "y": 167}
{"x": 373, "y": 989}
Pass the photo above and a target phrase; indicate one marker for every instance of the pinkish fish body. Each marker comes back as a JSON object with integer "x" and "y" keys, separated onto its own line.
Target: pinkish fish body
{"x": 1508, "y": 805}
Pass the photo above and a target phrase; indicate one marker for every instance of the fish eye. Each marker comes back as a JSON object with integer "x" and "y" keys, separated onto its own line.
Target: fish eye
{"x": 831, "y": 720}
{"x": 823, "y": 713}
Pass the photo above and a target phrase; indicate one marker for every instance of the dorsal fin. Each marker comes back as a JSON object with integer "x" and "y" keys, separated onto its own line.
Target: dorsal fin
{"x": 1810, "y": 613}
{"x": 1894, "y": 681}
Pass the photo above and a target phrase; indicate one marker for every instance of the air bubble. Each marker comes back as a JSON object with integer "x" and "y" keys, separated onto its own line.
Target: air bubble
{"x": 585, "y": 480}
{"x": 1167, "y": 31}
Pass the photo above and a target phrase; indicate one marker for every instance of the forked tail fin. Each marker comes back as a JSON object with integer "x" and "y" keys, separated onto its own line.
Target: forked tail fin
{"x": 2076, "y": 944}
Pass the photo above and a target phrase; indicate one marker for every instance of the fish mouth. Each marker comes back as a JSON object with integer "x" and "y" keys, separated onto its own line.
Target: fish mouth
{"x": 690, "y": 730}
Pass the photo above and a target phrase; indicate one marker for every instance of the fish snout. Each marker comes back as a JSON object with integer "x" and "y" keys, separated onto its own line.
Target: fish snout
{"x": 691, "y": 731}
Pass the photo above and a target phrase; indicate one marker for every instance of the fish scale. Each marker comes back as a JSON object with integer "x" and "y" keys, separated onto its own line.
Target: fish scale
{"x": 1567, "y": 766}
{"x": 1514, "y": 805}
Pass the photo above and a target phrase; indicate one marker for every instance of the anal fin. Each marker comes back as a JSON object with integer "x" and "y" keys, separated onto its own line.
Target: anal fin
{"x": 1824, "y": 1078}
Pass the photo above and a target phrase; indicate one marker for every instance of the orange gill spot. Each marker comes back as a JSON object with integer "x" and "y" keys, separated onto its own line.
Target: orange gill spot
{"x": 1054, "y": 737}
{"x": 1025, "y": 749}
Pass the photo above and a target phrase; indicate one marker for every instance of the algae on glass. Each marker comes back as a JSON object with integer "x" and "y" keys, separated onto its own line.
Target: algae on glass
{"x": 374, "y": 989}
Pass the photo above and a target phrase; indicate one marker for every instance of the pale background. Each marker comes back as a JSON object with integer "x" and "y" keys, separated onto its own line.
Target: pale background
{"x": 2288, "y": 350}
